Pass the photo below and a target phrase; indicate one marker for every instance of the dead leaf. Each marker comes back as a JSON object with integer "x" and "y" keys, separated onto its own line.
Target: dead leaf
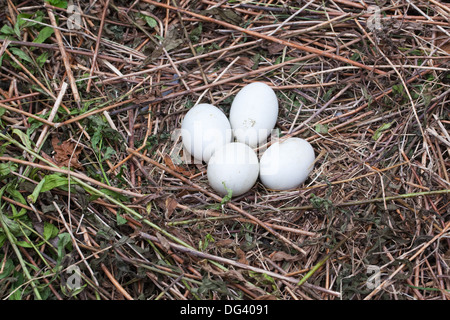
{"x": 241, "y": 256}
{"x": 274, "y": 47}
{"x": 174, "y": 167}
{"x": 246, "y": 62}
{"x": 164, "y": 242}
{"x": 171, "y": 204}
{"x": 224, "y": 243}
{"x": 235, "y": 274}
{"x": 150, "y": 197}
{"x": 282, "y": 256}
{"x": 229, "y": 274}
{"x": 254, "y": 288}
{"x": 172, "y": 40}
{"x": 66, "y": 153}
{"x": 443, "y": 42}
{"x": 446, "y": 257}
{"x": 227, "y": 15}
{"x": 446, "y": 47}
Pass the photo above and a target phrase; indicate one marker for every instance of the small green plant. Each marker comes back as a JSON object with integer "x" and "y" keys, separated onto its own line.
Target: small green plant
{"x": 228, "y": 197}
{"x": 58, "y": 3}
{"x": 196, "y": 33}
{"x": 320, "y": 203}
{"x": 151, "y": 22}
{"x": 31, "y": 22}
{"x": 203, "y": 245}
{"x": 381, "y": 129}
{"x": 398, "y": 89}
{"x": 321, "y": 128}
{"x": 225, "y": 199}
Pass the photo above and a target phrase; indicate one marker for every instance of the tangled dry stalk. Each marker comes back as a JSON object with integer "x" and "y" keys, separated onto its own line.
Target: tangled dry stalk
{"x": 91, "y": 181}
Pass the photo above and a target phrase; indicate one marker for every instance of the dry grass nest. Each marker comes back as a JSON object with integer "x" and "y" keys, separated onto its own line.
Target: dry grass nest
{"x": 96, "y": 202}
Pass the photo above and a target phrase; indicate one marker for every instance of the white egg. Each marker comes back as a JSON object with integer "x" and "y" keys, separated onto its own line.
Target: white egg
{"x": 205, "y": 128}
{"x": 234, "y": 166}
{"x": 253, "y": 113}
{"x": 285, "y": 165}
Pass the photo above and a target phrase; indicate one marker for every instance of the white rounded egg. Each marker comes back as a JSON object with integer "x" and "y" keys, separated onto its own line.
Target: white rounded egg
{"x": 254, "y": 113}
{"x": 285, "y": 165}
{"x": 235, "y": 166}
{"x": 203, "y": 129}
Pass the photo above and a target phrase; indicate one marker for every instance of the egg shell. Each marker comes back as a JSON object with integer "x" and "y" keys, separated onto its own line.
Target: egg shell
{"x": 253, "y": 113}
{"x": 236, "y": 165}
{"x": 205, "y": 128}
{"x": 285, "y": 165}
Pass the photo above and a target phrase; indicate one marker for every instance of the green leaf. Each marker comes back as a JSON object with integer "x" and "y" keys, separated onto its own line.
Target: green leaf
{"x": 150, "y": 21}
{"x": 34, "y": 124}
{"x": 196, "y": 33}
{"x": 114, "y": 194}
{"x": 2, "y": 239}
{"x": 200, "y": 50}
{"x": 12, "y": 225}
{"x": 72, "y": 292}
{"x": 23, "y": 137}
{"x": 380, "y": 130}
{"x": 58, "y": 3}
{"x": 15, "y": 194}
{"x": 328, "y": 94}
{"x": 21, "y": 23}
{"x": 7, "y": 30}
{"x": 20, "y": 54}
{"x": 96, "y": 138}
{"x": 427, "y": 99}
{"x": 42, "y": 58}
{"x": 37, "y": 190}
{"x": 227, "y": 198}
{"x": 53, "y": 181}
{"x": 398, "y": 89}
{"x": 120, "y": 220}
{"x": 7, "y": 268}
{"x": 321, "y": 128}
{"x": 63, "y": 241}
{"x": 50, "y": 231}
{"x": 17, "y": 294}
{"x": 262, "y": 278}
{"x": 108, "y": 153}
{"x": 17, "y": 30}
{"x": 7, "y": 167}
{"x": 24, "y": 244}
{"x": 203, "y": 245}
{"x": 355, "y": 57}
{"x": 256, "y": 58}
{"x": 44, "y": 34}
{"x": 319, "y": 202}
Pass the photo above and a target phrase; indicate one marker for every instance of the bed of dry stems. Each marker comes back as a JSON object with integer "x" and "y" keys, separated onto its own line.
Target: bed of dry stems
{"x": 365, "y": 82}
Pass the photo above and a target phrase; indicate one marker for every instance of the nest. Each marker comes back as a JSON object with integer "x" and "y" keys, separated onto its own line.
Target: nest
{"x": 98, "y": 200}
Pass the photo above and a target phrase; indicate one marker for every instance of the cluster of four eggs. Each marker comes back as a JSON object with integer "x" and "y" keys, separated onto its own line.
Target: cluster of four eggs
{"x": 227, "y": 145}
